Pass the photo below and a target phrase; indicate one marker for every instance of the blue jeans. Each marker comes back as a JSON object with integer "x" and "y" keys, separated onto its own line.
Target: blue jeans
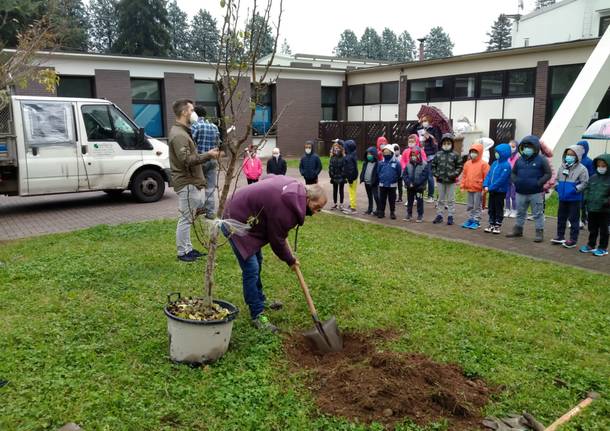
{"x": 536, "y": 200}
{"x": 251, "y": 279}
{"x": 568, "y": 210}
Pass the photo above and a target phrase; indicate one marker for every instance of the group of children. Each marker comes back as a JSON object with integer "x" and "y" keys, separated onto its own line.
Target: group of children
{"x": 518, "y": 179}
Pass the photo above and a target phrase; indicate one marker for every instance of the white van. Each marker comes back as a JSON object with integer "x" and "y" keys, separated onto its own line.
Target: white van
{"x": 65, "y": 145}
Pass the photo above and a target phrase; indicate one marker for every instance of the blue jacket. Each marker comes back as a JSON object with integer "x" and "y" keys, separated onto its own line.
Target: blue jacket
{"x": 530, "y": 173}
{"x": 374, "y": 178}
{"x": 498, "y": 177}
{"x": 572, "y": 180}
{"x": 586, "y": 160}
{"x": 389, "y": 172}
{"x": 350, "y": 169}
{"x": 415, "y": 175}
{"x": 310, "y": 166}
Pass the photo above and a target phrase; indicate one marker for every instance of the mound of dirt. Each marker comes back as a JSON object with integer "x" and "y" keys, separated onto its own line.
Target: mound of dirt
{"x": 364, "y": 384}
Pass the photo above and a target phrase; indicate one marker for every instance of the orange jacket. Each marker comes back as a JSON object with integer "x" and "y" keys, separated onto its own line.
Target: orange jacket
{"x": 475, "y": 171}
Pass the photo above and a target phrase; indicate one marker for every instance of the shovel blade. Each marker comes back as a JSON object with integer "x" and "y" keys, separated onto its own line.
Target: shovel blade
{"x": 325, "y": 338}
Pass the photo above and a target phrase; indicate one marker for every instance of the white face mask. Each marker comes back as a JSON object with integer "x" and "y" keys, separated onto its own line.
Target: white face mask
{"x": 425, "y": 124}
{"x": 446, "y": 147}
{"x": 194, "y": 117}
{"x": 474, "y": 155}
{"x": 602, "y": 171}
{"x": 411, "y": 144}
{"x": 307, "y": 150}
{"x": 276, "y": 155}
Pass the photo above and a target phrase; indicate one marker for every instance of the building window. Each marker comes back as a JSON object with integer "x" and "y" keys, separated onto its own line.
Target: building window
{"x": 389, "y": 92}
{"x": 263, "y": 114}
{"x": 329, "y": 104}
{"x": 418, "y": 90}
{"x": 147, "y": 107}
{"x": 464, "y": 87}
{"x": 434, "y": 89}
{"x": 562, "y": 78}
{"x": 491, "y": 85}
{"x": 75, "y": 86}
{"x": 604, "y": 21}
{"x": 372, "y": 94}
{"x": 206, "y": 97}
{"x": 355, "y": 95}
{"x": 521, "y": 83}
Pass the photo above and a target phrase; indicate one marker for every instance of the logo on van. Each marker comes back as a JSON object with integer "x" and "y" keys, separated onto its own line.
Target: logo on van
{"x": 96, "y": 146}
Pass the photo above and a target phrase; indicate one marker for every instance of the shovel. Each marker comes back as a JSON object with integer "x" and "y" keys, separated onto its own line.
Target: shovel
{"x": 325, "y": 337}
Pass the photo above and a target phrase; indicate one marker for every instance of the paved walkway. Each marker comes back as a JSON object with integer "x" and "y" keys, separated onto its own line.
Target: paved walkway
{"x": 25, "y": 217}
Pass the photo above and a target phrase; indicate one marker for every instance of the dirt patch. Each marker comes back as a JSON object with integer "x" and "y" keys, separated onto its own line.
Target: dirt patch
{"x": 365, "y": 384}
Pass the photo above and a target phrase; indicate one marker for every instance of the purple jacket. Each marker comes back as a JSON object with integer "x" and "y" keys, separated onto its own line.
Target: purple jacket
{"x": 272, "y": 206}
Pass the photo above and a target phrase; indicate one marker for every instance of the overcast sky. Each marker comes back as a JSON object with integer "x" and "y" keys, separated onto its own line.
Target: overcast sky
{"x": 314, "y": 26}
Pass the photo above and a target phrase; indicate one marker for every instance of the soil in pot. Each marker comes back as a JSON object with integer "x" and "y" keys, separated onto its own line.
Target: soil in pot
{"x": 363, "y": 384}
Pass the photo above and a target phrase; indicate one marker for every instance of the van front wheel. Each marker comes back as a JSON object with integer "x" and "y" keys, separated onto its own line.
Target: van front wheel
{"x": 148, "y": 186}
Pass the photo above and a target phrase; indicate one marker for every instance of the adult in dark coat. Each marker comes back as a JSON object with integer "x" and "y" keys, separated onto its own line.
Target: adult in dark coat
{"x": 271, "y": 207}
{"x": 430, "y": 139}
{"x": 276, "y": 165}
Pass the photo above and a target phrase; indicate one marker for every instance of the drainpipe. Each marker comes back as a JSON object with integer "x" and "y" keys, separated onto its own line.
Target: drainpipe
{"x": 421, "y": 48}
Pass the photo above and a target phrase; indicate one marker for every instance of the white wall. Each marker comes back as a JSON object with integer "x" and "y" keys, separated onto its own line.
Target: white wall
{"x": 371, "y": 113}
{"x": 354, "y": 113}
{"x": 389, "y": 112}
{"x": 443, "y": 106}
{"x": 374, "y": 76}
{"x": 521, "y": 109}
{"x": 486, "y": 110}
{"x": 413, "y": 109}
{"x": 463, "y": 109}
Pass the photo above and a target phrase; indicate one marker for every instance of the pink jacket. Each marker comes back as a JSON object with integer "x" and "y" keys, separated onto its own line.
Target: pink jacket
{"x": 406, "y": 154}
{"x": 548, "y": 153}
{"x": 252, "y": 167}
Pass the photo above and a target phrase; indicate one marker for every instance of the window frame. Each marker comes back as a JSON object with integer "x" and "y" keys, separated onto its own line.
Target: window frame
{"x": 465, "y": 75}
{"x": 502, "y": 87}
{"x": 205, "y": 103}
{"x": 550, "y": 94}
{"x": 91, "y": 80}
{"x": 507, "y": 95}
{"x": 151, "y": 102}
{"x": 371, "y": 85}
{"x": 349, "y": 96}
{"x": 137, "y": 147}
{"x": 386, "y": 84}
{"x": 330, "y": 105}
{"x": 271, "y": 104}
{"x": 602, "y": 20}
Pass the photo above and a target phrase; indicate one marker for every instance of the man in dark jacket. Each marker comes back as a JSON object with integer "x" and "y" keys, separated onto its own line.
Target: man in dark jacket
{"x": 369, "y": 177}
{"x": 530, "y": 172}
{"x": 276, "y": 165}
{"x": 310, "y": 165}
{"x": 271, "y": 208}
{"x": 350, "y": 170}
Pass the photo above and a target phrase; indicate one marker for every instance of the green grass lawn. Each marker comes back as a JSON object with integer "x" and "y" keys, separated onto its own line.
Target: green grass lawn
{"x": 83, "y": 335}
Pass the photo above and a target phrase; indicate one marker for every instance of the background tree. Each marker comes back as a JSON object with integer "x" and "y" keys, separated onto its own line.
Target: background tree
{"x": 285, "y": 48}
{"x": 438, "y": 44}
{"x": 178, "y": 31}
{"x": 258, "y": 35}
{"x": 348, "y": 46}
{"x": 500, "y": 34}
{"x": 15, "y": 17}
{"x": 103, "y": 23}
{"x": 406, "y": 47}
{"x": 370, "y": 45}
{"x": 70, "y": 22}
{"x": 544, "y": 3}
{"x": 204, "y": 37}
{"x": 143, "y": 28}
{"x": 390, "y": 49}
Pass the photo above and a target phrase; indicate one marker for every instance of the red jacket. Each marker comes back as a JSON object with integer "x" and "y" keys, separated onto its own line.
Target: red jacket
{"x": 252, "y": 167}
{"x": 381, "y": 141}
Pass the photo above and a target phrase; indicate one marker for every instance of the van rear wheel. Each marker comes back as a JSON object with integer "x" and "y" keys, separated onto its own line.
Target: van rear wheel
{"x": 148, "y": 186}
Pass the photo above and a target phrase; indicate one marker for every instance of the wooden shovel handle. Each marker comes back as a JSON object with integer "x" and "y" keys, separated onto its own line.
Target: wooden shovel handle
{"x": 312, "y": 308}
{"x": 569, "y": 415}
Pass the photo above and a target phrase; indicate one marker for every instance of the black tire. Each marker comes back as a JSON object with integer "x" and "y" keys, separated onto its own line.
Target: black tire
{"x": 114, "y": 192}
{"x": 147, "y": 186}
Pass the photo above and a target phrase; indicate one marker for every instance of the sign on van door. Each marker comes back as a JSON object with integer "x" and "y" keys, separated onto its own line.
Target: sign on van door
{"x": 50, "y": 147}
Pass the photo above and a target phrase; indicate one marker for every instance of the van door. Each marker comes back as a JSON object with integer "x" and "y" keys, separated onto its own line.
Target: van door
{"x": 110, "y": 147}
{"x": 50, "y": 147}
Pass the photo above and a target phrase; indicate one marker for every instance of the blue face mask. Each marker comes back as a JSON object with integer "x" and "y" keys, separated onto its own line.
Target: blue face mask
{"x": 570, "y": 160}
{"x": 528, "y": 152}
{"x": 387, "y": 157}
{"x": 497, "y": 155}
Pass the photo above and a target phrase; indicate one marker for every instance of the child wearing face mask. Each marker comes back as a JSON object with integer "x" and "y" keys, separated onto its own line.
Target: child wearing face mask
{"x": 310, "y": 165}
{"x": 497, "y": 182}
{"x": 397, "y": 155}
{"x": 415, "y": 176}
{"x": 276, "y": 165}
{"x": 475, "y": 170}
{"x": 446, "y": 168}
{"x": 350, "y": 172}
{"x": 597, "y": 201}
{"x": 336, "y": 172}
{"x": 412, "y": 142}
{"x": 252, "y": 166}
{"x": 368, "y": 176}
{"x": 510, "y": 204}
{"x": 572, "y": 178}
{"x": 388, "y": 172}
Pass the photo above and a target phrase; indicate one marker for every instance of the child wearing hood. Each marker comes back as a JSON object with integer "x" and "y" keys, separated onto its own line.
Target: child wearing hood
{"x": 597, "y": 200}
{"x": 446, "y": 168}
{"x": 252, "y": 166}
{"x": 587, "y": 163}
{"x": 412, "y": 142}
{"x": 310, "y": 165}
{"x": 381, "y": 143}
{"x": 388, "y": 172}
{"x": 415, "y": 176}
{"x": 396, "y": 148}
{"x": 530, "y": 173}
{"x": 350, "y": 172}
{"x": 510, "y": 208}
{"x": 571, "y": 180}
{"x": 475, "y": 170}
{"x": 368, "y": 176}
{"x": 336, "y": 169}
{"x": 497, "y": 183}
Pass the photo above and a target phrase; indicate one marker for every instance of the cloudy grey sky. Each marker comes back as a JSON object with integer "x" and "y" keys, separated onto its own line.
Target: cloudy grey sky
{"x": 314, "y": 26}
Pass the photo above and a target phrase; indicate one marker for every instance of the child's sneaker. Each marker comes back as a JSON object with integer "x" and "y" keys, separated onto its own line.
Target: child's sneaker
{"x": 569, "y": 243}
{"x": 449, "y": 220}
{"x": 497, "y": 230}
{"x": 600, "y": 252}
{"x": 340, "y": 208}
{"x": 393, "y": 216}
{"x": 467, "y": 223}
{"x": 557, "y": 240}
{"x": 408, "y": 217}
{"x": 419, "y": 220}
{"x": 512, "y": 214}
{"x": 586, "y": 249}
{"x": 506, "y": 212}
{"x": 438, "y": 219}
{"x": 334, "y": 207}
{"x": 430, "y": 199}
{"x": 489, "y": 229}
{"x": 474, "y": 225}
